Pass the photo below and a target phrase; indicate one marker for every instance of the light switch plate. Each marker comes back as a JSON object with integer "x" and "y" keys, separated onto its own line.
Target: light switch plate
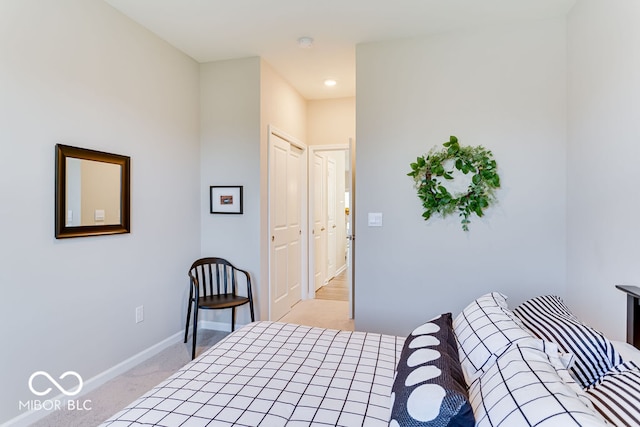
{"x": 375, "y": 219}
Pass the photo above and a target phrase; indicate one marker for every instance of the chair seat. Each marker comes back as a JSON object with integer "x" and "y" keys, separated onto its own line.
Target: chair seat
{"x": 221, "y": 301}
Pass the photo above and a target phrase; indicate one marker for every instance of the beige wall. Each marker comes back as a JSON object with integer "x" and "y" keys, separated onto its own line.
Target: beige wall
{"x": 280, "y": 106}
{"x": 331, "y": 121}
{"x": 100, "y": 191}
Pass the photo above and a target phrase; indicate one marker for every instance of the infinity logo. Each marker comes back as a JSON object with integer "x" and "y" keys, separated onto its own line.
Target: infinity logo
{"x": 55, "y": 383}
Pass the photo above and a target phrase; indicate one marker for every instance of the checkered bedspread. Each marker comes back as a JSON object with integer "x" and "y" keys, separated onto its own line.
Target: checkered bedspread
{"x": 276, "y": 374}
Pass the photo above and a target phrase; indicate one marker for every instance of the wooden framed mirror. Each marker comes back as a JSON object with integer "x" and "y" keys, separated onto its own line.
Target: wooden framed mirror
{"x": 92, "y": 193}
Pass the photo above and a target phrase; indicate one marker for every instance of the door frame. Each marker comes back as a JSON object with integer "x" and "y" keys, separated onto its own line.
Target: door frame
{"x": 304, "y": 185}
{"x": 313, "y": 193}
{"x": 311, "y": 150}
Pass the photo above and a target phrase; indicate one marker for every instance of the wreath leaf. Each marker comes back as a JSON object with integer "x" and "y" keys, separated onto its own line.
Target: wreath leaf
{"x": 436, "y": 198}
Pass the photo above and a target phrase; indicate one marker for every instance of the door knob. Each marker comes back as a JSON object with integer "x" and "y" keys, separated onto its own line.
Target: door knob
{"x": 322, "y": 229}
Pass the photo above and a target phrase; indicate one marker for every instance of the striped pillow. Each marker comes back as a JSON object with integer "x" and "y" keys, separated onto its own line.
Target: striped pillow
{"x": 617, "y": 395}
{"x": 550, "y": 319}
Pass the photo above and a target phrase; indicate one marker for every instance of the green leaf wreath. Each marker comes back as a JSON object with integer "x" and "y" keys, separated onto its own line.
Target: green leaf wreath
{"x": 429, "y": 171}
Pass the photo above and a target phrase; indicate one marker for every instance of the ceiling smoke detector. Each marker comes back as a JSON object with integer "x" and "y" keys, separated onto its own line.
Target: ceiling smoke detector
{"x": 305, "y": 42}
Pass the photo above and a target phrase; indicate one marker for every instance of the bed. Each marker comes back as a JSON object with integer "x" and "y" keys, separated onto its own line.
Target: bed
{"x": 276, "y": 374}
{"x": 537, "y": 364}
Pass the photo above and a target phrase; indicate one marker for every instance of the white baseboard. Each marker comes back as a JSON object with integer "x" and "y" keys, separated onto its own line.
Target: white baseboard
{"x": 218, "y": 326}
{"x": 134, "y": 360}
{"x": 27, "y": 418}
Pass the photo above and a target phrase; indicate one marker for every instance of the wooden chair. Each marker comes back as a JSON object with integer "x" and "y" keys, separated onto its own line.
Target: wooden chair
{"x": 214, "y": 286}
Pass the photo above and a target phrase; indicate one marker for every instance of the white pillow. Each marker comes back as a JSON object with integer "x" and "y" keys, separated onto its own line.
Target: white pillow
{"x": 628, "y": 352}
{"x": 484, "y": 330}
{"x": 528, "y": 385}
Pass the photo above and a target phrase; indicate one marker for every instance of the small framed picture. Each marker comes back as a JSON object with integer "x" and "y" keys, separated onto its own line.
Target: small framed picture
{"x": 225, "y": 200}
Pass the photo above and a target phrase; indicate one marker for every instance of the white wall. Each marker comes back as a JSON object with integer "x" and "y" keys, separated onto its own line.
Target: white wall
{"x": 230, "y": 155}
{"x": 603, "y": 133}
{"x": 79, "y": 73}
{"x": 503, "y": 88}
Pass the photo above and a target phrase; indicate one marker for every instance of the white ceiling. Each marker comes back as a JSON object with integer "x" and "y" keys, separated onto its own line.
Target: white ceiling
{"x": 211, "y": 30}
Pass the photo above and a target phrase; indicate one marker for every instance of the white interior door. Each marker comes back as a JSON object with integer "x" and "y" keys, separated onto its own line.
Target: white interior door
{"x": 318, "y": 216}
{"x": 285, "y": 225}
{"x": 319, "y": 220}
{"x": 332, "y": 246}
{"x": 350, "y": 169}
{"x": 294, "y": 223}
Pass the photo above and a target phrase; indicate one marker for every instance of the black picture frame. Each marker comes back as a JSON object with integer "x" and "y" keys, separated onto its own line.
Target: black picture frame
{"x": 225, "y": 199}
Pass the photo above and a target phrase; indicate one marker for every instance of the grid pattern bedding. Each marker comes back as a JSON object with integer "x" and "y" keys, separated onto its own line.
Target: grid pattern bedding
{"x": 276, "y": 374}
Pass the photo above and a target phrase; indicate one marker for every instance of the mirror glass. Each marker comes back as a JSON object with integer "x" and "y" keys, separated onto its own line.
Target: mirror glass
{"x": 92, "y": 192}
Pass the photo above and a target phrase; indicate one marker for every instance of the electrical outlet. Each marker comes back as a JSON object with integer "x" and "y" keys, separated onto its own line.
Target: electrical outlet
{"x": 139, "y": 314}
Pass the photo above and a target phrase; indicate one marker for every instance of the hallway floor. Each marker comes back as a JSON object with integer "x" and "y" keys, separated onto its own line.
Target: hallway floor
{"x": 330, "y": 308}
{"x": 337, "y": 289}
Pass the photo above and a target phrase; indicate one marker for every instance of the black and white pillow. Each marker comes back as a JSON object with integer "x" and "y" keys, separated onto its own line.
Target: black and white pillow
{"x": 528, "y": 385}
{"x": 617, "y": 395}
{"x": 485, "y": 329}
{"x": 429, "y": 388}
{"x": 550, "y": 319}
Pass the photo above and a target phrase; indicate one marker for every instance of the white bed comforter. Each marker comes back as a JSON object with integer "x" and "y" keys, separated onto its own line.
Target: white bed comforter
{"x": 276, "y": 374}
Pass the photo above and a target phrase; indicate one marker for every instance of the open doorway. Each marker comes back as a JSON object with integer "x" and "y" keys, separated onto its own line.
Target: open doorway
{"x": 330, "y": 227}
{"x": 329, "y": 232}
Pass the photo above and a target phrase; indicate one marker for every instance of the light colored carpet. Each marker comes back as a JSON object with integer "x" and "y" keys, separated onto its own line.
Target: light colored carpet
{"x": 116, "y": 394}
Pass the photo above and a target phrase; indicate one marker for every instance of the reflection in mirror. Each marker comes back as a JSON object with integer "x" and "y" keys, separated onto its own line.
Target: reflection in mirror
{"x": 92, "y": 192}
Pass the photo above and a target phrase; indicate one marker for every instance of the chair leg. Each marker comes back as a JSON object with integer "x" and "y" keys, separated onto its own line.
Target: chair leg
{"x": 195, "y": 331}
{"x": 253, "y": 319}
{"x": 186, "y": 329}
{"x": 233, "y": 319}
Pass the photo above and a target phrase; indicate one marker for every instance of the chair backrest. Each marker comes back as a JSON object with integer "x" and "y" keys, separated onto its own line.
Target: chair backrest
{"x": 213, "y": 276}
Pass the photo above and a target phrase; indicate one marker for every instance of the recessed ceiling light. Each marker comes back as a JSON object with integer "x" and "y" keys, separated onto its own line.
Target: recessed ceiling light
{"x": 305, "y": 42}
{"x": 330, "y": 82}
